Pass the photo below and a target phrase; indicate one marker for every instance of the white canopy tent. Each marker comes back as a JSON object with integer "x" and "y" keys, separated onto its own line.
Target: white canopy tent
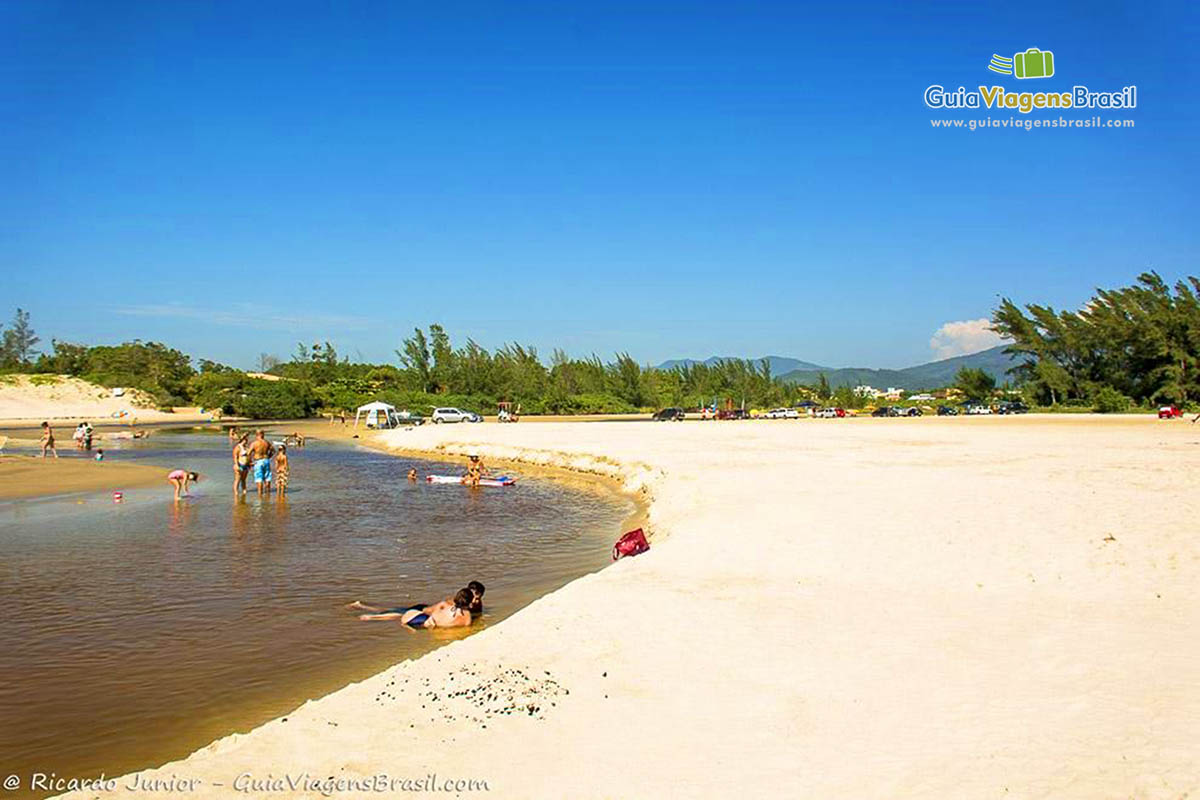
{"x": 379, "y": 415}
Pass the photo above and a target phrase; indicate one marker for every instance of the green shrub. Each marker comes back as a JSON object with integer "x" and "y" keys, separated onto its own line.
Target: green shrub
{"x": 259, "y": 399}
{"x": 1108, "y": 400}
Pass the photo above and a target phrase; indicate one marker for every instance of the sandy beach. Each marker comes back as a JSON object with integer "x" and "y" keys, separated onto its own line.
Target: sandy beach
{"x": 868, "y": 608}
{"x": 27, "y": 400}
{"x": 24, "y": 476}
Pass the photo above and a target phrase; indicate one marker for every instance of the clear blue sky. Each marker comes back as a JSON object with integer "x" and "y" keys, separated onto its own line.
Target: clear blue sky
{"x": 670, "y": 179}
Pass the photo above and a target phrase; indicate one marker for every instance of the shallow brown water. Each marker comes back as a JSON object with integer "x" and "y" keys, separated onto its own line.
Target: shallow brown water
{"x": 132, "y": 634}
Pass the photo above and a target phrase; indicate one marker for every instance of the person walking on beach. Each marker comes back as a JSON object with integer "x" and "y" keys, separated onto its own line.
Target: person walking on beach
{"x": 241, "y": 464}
{"x": 281, "y": 471}
{"x": 180, "y": 480}
{"x": 48, "y": 440}
{"x": 262, "y": 450}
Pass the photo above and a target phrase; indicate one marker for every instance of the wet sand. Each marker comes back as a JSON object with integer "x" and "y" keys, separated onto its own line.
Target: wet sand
{"x": 25, "y": 476}
{"x": 846, "y": 608}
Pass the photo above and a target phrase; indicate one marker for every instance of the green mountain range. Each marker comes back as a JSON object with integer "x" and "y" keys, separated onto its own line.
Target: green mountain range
{"x": 933, "y": 375}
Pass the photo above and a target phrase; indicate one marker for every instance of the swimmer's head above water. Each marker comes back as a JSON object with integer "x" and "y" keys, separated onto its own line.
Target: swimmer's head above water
{"x": 463, "y": 599}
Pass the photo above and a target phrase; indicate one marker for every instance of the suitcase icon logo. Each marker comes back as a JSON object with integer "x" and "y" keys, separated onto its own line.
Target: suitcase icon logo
{"x": 1033, "y": 63}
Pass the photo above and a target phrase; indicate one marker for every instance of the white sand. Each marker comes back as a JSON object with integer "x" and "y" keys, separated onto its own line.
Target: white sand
{"x": 33, "y": 398}
{"x": 941, "y": 608}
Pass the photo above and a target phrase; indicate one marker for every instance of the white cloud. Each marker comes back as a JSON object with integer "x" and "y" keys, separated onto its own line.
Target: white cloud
{"x": 963, "y": 338}
{"x": 246, "y": 315}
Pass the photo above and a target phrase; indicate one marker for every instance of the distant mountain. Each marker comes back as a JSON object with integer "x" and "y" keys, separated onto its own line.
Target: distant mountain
{"x": 923, "y": 376}
{"x": 779, "y": 364}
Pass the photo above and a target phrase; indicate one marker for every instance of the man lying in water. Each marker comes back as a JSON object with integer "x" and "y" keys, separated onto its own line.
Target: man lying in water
{"x": 455, "y": 612}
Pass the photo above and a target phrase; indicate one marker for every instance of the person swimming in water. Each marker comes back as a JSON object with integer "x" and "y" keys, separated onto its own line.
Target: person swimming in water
{"x": 455, "y": 612}
{"x": 412, "y": 475}
{"x": 477, "y": 591}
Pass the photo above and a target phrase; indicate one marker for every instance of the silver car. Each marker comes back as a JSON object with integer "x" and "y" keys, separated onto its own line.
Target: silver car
{"x": 450, "y": 414}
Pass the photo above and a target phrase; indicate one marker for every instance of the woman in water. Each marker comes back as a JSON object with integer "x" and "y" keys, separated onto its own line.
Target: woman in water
{"x": 180, "y": 480}
{"x": 48, "y": 440}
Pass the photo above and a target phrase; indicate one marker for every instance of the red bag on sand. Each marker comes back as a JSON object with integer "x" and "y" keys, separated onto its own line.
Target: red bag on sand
{"x": 631, "y": 544}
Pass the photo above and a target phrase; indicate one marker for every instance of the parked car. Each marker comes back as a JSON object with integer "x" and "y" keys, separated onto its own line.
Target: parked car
{"x": 909, "y": 411}
{"x": 734, "y": 413}
{"x": 947, "y": 411}
{"x": 974, "y": 411}
{"x": 669, "y": 415}
{"x": 830, "y": 413}
{"x": 882, "y": 411}
{"x": 782, "y": 413}
{"x": 1012, "y": 407}
{"x": 1169, "y": 412}
{"x": 454, "y": 415}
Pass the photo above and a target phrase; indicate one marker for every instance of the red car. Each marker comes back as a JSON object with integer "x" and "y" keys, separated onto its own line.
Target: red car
{"x": 1169, "y": 412}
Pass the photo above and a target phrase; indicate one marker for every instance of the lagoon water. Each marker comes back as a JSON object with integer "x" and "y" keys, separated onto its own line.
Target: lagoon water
{"x": 134, "y": 633}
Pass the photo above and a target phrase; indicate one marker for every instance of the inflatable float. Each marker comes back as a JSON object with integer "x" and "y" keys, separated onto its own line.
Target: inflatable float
{"x": 502, "y": 480}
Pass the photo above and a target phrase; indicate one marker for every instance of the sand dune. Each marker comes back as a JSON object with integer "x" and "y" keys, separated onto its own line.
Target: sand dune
{"x": 33, "y": 398}
{"x": 967, "y": 608}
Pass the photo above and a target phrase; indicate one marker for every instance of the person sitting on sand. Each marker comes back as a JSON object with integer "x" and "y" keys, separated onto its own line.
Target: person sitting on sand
{"x": 474, "y": 471}
{"x": 48, "y": 440}
{"x": 262, "y": 450}
{"x": 281, "y": 471}
{"x": 180, "y": 480}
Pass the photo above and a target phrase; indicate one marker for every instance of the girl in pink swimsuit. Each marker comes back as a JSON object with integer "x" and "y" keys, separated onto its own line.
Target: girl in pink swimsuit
{"x": 180, "y": 480}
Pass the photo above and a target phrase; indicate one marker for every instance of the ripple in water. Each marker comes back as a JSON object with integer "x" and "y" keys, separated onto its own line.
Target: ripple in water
{"x": 133, "y": 634}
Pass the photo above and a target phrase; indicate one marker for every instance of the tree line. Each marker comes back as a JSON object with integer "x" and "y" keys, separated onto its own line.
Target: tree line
{"x": 1136, "y": 345}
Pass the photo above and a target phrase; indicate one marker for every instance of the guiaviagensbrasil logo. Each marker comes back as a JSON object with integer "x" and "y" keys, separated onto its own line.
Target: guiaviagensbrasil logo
{"x": 1033, "y": 63}
{"x": 1024, "y": 65}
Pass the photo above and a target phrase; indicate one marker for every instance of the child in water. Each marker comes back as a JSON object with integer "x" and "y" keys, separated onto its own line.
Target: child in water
{"x": 281, "y": 470}
{"x": 100, "y": 454}
{"x": 180, "y": 480}
{"x": 412, "y": 475}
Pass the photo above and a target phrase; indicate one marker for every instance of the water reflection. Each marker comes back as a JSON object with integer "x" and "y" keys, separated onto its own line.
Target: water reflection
{"x": 185, "y": 621}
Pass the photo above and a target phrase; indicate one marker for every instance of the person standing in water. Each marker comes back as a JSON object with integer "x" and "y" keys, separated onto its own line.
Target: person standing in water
{"x": 281, "y": 471}
{"x": 241, "y": 464}
{"x": 180, "y": 480}
{"x": 48, "y": 440}
{"x": 262, "y": 450}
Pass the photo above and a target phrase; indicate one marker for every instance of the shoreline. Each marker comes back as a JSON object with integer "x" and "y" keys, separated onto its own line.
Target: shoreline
{"x": 954, "y": 653}
{"x": 30, "y": 477}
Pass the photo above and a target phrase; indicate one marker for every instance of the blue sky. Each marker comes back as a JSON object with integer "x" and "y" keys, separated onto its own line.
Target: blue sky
{"x": 668, "y": 179}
